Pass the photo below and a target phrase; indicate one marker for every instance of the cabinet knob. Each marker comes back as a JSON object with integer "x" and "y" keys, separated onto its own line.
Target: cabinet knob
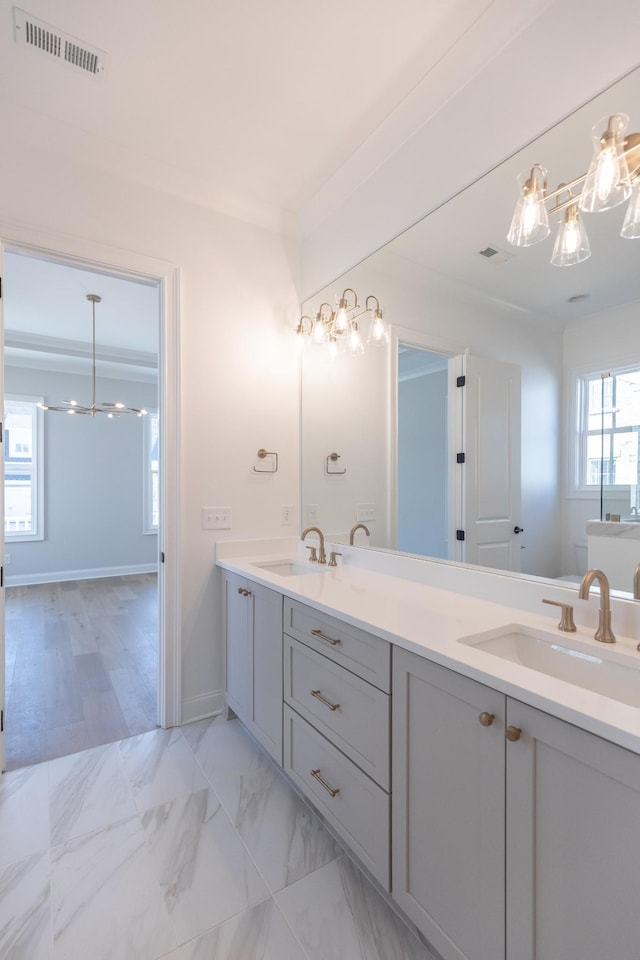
{"x": 513, "y": 733}
{"x": 240, "y": 590}
{"x": 486, "y": 719}
{"x": 243, "y": 592}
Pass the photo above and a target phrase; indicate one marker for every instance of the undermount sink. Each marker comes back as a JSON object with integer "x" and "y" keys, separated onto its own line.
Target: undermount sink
{"x": 290, "y": 568}
{"x": 614, "y": 674}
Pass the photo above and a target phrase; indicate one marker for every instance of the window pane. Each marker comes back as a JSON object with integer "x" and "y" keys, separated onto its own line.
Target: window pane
{"x": 625, "y": 457}
{"x": 628, "y": 399}
{"x": 19, "y": 485}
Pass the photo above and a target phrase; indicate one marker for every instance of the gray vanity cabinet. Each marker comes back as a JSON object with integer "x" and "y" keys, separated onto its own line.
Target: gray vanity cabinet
{"x": 336, "y": 728}
{"x": 448, "y": 850}
{"x": 573, "y": 842}
{"x": 524, "y": 849}
{"x": 253, "y": 618}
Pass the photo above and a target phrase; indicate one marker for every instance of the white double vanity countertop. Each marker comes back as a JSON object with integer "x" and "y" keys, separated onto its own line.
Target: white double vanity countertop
{"x": 428, "y": 607}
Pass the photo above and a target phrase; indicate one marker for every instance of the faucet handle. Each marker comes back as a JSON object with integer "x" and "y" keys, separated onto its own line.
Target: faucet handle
{"x": 313, "y": 554}
{"x": 566, "y": 617}
{"x": 332, "y": 558}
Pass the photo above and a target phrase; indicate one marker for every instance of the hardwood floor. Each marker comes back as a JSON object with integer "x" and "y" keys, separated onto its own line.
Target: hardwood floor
{"x": 81, "y": 665}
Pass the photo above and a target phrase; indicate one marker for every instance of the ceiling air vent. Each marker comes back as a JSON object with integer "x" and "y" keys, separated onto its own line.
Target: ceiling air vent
{"x": 31, "y": 32}
{"x": 495, "y": 254}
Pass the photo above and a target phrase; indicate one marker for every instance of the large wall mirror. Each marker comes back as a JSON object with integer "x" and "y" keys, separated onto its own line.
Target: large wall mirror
{"x": 378, "y": 429}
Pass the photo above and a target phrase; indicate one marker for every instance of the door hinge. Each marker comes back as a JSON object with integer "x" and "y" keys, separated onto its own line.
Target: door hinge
{"x": 459, "y": 534}
{"x": 162, "y": 556}
{"x": 460, "y": 381}
{"x": 460, "y": 458}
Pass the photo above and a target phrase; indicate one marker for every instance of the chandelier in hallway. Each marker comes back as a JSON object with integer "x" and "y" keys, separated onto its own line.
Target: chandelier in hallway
{"x": 111, "y": 409}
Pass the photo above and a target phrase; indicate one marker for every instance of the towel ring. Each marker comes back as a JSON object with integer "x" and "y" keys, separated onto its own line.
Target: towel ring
{"x": 334, "y": 457}
{"x": 262, "y": 453}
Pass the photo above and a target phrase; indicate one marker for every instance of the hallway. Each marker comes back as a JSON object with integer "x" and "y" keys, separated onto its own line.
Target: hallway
{"x": 81, "y": 665}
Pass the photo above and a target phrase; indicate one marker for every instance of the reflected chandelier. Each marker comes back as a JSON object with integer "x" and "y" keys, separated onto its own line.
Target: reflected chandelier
{"x": 612, "y": 178}
{"x": 339, "y": 328}
{"x": 112, "y": 410}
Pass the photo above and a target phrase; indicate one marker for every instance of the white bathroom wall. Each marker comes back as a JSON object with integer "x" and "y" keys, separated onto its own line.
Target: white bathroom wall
{"x": 93, "y": 485}
{"x": 239, "y": 376}
{"x": 454, "y": 320}
{"x": 345, "y": 410}
{"x": 605, "y": 339}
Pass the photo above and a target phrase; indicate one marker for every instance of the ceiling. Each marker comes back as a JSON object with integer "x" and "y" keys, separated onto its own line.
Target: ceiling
{"x": 233, "y": 98}
{"x": 48, "y": 319}
{"x": 448, "y": 241}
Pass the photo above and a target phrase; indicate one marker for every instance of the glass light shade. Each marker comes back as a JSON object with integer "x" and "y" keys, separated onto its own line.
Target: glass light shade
{"x": 631, "y": 226}
{"x": 333, "y": 347}
{"x": 319, "y": 332}
{"x": 378, "y": 332}
{"x": 341, "y": 320}
{"x": 572, "y": 243}
{"x": 356, "y": 345}
{"x": 530, "y": 223}
{"x": 607, "y": 182}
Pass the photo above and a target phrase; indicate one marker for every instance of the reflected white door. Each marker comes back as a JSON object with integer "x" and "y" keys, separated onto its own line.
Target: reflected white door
{"x": 486, "y": 428}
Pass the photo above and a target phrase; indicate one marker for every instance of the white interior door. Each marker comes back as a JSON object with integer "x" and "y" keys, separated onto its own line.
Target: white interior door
{"x": 486, "y": 428}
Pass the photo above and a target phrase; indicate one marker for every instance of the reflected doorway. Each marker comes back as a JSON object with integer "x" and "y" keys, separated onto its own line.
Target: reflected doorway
{"x": 422, "y": 451}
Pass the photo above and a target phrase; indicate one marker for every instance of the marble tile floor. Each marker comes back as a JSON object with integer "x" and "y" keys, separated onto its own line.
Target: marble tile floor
{"x": 183, "y": 844}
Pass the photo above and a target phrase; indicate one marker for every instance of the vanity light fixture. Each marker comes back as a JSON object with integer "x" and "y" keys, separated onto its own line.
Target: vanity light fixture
{"x": 612, "y": 178}
{"x": 112, "y": 410}
{"x": 340, "y": 327}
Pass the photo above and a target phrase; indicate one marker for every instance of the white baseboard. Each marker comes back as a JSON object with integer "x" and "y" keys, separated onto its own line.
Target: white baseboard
{"x": 202, "y": 707}
{"x": 59, "y": 576}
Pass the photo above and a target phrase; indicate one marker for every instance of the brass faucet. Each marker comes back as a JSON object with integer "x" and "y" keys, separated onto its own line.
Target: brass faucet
{"x": 604, "y": 632}
{"x": 357, "y": 526}
{"x": 323, "y": 557}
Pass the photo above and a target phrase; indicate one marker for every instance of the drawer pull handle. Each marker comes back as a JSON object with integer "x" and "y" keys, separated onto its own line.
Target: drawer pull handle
{"x": 331, "y": 640}
{"x": 323, "y": 783}
{"x": 327, "y": 703}
{"x": 486, "y": 719}
{"x": 513, "y": 733}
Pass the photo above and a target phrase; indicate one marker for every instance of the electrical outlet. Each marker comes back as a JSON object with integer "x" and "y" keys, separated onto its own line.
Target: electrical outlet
{"x": 216, "y": 518}
{"x": 313, "y": 513}
{"x": 286, "y": 512}
{"x": 365, "y": 511}
{"x": 7, "y": 559}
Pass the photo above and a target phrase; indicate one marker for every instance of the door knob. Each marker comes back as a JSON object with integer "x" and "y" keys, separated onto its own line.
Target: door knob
{"x": 518, "y": 529}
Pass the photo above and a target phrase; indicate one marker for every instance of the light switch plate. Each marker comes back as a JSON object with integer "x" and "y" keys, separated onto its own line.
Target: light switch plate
{"x": 365, "y": 511}
{"x": 216, "y": 518}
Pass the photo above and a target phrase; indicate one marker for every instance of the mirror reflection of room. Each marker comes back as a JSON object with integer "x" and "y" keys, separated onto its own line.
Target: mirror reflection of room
{"x": 454, "y": 285}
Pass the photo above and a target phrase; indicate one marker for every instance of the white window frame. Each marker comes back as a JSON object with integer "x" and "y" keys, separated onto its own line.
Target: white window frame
{"x": 37, "y": 484}
{"x": 580, "y": 393}
{"x": 148, "y": 527}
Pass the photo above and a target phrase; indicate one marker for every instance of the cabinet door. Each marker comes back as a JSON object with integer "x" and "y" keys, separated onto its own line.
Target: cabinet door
{"x": 448, "y": 808}
{"x": 267, "y": 668}
{"x": 573, "y": 843}
{"x": 239, "y": 646}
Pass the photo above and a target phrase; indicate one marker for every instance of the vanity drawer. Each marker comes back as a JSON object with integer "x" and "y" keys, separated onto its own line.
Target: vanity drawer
{"x": 359, "y": 810}
{"x": 361, "y": 652}
{"x": 352, "y": 713}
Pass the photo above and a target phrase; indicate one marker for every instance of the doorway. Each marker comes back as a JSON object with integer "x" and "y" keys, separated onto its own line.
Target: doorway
{"x": 90, "y": 589}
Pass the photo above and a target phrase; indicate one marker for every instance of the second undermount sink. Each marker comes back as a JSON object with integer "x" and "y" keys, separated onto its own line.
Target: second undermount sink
{"x": 290, "y": 568}
{"x": 614, "y": 674}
